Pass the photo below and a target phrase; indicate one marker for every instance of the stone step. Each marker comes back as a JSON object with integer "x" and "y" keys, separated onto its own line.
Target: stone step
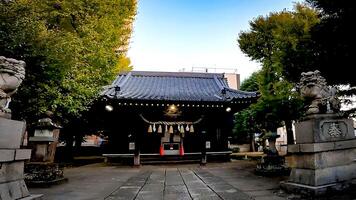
{"x": 169, "y": 161}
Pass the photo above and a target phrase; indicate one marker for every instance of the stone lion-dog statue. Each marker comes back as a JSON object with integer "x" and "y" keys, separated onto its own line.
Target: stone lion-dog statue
{"x": 321, "y": 98}
{"x": 12, "y": 73}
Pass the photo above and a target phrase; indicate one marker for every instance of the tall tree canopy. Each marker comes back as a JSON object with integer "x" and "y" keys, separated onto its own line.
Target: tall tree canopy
{"x": 244, "y": 124}
{"x": 335, "y": 40}
{"x": 250, "y": 84}
{"x": 278, "y": 40}
{"x": 72, "y": 48}
{"x": 282, "y": 40}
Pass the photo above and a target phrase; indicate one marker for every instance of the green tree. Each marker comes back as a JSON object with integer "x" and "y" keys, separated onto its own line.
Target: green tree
{"x": 275, "y": 40}
{"x": 279, "y": 101}
{"x": 71, "y": 48}
{"x": 335, "y": 40}
{"x": 334, "y": 44}
{"x": 244, "y": 127}
{"x": 284, "y": 39}
{"x": 250, "y": 84}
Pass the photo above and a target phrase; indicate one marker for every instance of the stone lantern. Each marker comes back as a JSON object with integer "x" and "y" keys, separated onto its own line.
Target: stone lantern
{"x": 271, "y": 164}
{"x": 41, "y": 170}
{"x": 44, "y": 141}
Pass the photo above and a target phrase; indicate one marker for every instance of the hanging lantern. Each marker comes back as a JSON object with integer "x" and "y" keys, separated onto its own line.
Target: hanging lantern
{"x": 170, "y": 129}
{"x": 178, "y": 128}
{"x": 149, "y": 129}
{"x": 191, "y": 129}
{"x": 159, "y": 129}
{"x": 154, "y": 128}
{"x": 166, "y": 129}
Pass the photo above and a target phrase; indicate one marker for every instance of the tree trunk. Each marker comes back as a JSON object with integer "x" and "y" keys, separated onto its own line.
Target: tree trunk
{"x": 253, "y": 142}
{"x": 78, "y": 143}
{"x": 69, "y": 146}
{"x": 290, "y": 136}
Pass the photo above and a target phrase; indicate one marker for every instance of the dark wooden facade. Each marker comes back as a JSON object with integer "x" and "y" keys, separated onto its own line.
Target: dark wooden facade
{"x": 160, "y": 110}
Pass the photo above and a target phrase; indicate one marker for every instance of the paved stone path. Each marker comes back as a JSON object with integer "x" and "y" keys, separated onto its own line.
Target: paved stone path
{"x": 234, "y": 180}
{"x": 175, "y": 183}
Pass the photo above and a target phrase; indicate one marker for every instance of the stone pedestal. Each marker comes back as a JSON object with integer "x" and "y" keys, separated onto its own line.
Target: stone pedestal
{"x": 41, "y": 171}
{"x": 272, "y": 165}
{"x": 12, "y": 158}
{"x": 43, "y": 174}
{"x": 323, "y": 159}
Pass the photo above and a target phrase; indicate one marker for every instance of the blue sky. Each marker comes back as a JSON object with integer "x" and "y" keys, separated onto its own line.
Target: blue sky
{"x": 172, "y": 35}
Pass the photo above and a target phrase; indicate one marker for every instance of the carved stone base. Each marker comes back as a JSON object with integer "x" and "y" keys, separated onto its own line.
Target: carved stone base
{"x": 324, "y": 128}
{"x": 16, "y": 190}
{"x": 324, "y": 158}
{"x": 312, "y": 191}
{"x": 13, "y": 190}
{"x": 12, "y": 158}
{"x": 43, "y": 174}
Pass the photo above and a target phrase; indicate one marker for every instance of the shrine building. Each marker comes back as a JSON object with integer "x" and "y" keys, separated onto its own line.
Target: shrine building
{"x": 169, "y": 114}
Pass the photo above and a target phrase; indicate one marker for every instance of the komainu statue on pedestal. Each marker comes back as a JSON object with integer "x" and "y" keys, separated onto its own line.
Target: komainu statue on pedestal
{"x": 322, "y": 98}
{"x": 12, "y": 73}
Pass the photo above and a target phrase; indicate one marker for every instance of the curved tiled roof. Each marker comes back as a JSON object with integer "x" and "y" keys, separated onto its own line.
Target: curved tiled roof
{"x": 173, "y": 86}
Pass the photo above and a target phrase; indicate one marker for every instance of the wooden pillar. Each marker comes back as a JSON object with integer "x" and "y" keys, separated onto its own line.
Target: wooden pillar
{"x": 137, "y": 160}
{"x": 203, "y": 148}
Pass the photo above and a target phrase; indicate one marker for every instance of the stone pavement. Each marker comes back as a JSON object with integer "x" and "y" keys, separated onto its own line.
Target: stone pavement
{"x": 234, "y": 180}
{"x": 176, "y": 183}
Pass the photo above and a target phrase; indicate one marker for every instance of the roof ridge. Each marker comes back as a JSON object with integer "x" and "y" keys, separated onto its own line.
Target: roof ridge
{"x": 174, "y": 74}
{"x": 241, "y": 91}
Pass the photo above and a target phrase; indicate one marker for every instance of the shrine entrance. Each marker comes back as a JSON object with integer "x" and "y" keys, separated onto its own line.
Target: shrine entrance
{"x": 172, "y": 133}
{"x": 169, "y": 114}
